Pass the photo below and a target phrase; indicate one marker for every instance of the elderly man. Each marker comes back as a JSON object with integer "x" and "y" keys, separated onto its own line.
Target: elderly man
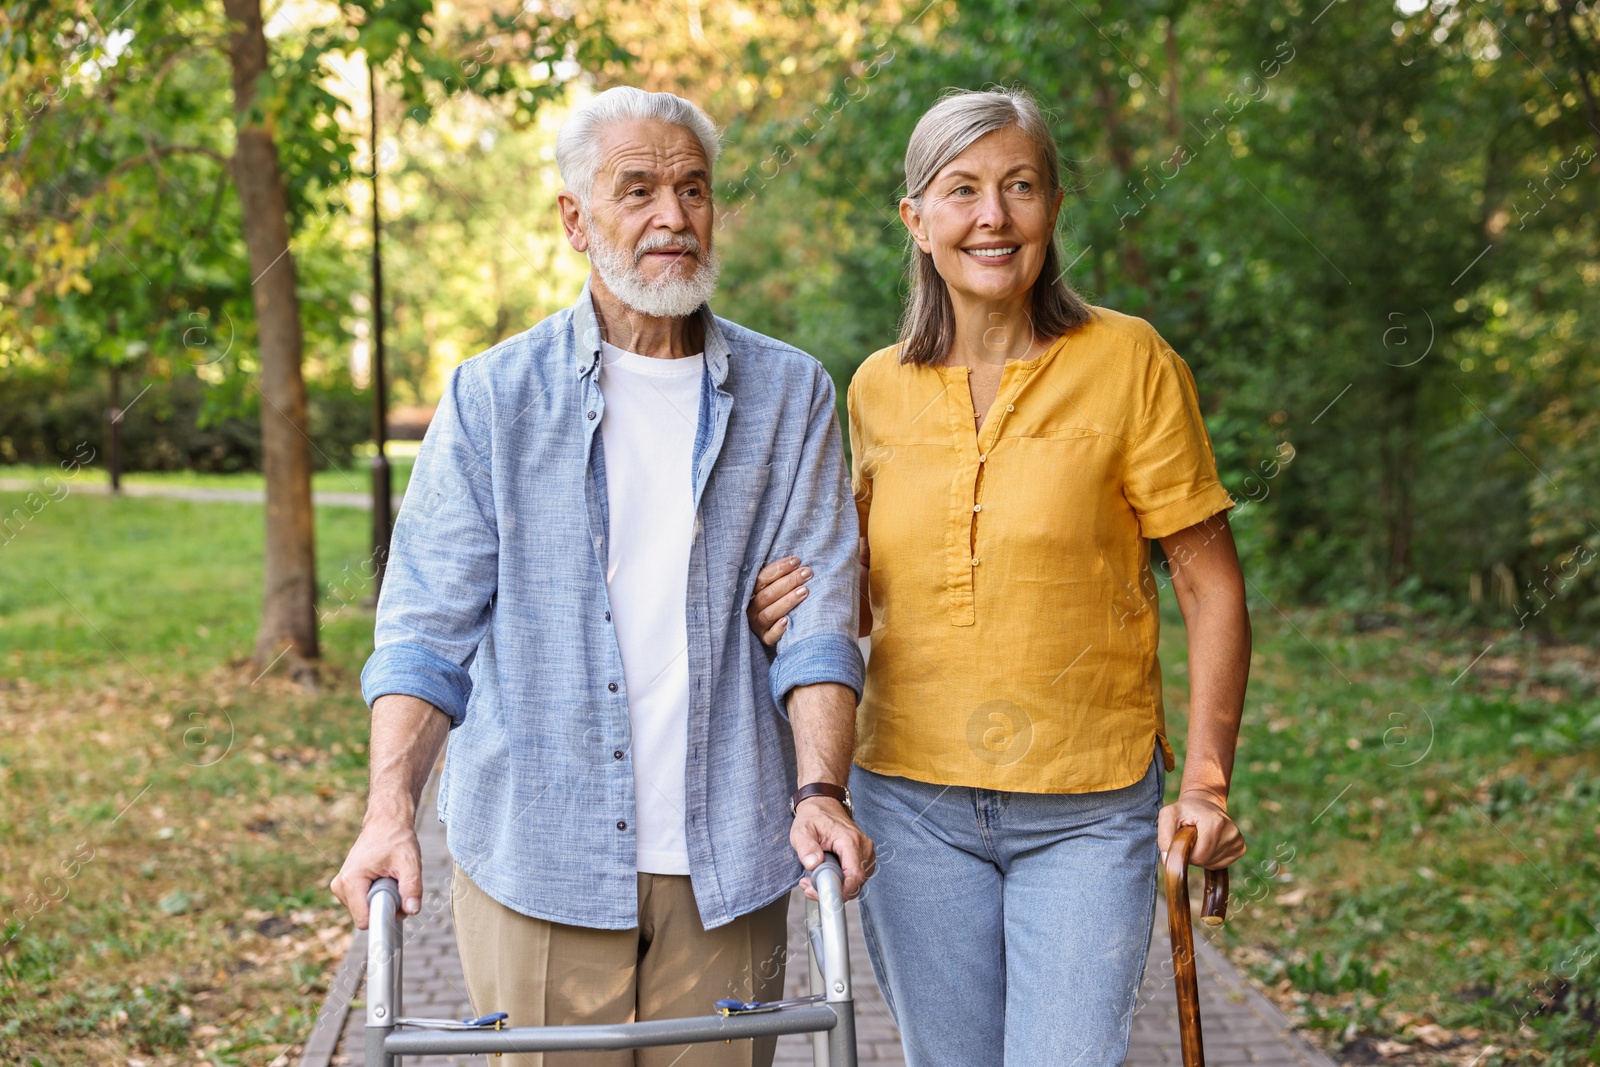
{"x": 633, "y": 783}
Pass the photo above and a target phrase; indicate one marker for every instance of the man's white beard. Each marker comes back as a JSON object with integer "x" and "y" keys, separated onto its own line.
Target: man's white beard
{"x": 668, "y": 296}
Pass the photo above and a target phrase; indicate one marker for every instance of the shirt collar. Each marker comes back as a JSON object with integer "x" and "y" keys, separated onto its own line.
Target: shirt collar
{"x": 586, "y": 332}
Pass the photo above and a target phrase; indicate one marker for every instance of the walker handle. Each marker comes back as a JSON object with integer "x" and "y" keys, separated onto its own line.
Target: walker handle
{"x": 827, "y": 878}
{"x": 383, "y": 968}
{"x": 832, "y": 866}
{"x": 383, "y": 885}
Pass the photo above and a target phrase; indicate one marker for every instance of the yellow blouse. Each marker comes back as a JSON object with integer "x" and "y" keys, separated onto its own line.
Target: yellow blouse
{"x": 1014, "y": 621}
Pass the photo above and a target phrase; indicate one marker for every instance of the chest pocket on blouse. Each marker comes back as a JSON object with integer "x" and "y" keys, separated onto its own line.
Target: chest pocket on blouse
{"x": 1062, "y": 490}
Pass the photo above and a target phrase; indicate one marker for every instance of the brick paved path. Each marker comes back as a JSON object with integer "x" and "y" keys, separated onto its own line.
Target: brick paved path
{"x": 1241, "y": 1026}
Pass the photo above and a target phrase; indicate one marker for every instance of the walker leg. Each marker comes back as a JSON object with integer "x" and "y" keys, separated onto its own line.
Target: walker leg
{"x": 376, "y": 1056}
{"x": 384, "y": 954}
{"x": 841, "y": 1039}
{"x": 837, "y": 985}
{"x": 819, "y": 1040}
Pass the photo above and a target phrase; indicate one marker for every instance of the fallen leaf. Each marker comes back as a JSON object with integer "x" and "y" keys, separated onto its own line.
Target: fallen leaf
{"x": 1434, "y": 1036}
{"x": 1295, "y": 897}
{"x": 1387, "y": 1048}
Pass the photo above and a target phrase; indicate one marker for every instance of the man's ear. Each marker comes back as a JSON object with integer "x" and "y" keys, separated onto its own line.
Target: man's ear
{"x": 572, "y": 221}
{"x": 913, "y": 220}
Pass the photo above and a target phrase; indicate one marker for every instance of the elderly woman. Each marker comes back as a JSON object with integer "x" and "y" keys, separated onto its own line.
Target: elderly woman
{"x": 1014, "y": 455}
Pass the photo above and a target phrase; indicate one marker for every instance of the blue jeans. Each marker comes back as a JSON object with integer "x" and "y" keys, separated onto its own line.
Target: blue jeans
{"x": 1010, "y": 928}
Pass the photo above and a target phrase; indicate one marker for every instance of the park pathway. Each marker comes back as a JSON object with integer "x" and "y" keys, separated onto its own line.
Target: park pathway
{"x": 1241, "y": 1026}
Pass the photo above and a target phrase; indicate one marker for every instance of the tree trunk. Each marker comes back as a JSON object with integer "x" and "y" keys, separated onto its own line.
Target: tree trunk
{"x": 1397, "y": 488}
{"x": 289, "y": 609}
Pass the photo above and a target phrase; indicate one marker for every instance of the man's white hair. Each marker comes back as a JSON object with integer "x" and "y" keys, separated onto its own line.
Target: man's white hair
{"x": 578, "y": 144}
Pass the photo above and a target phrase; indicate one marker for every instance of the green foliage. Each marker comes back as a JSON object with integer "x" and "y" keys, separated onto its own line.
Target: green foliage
{"x": 51, "y": 415}
{"x": 512, "y": 60}
{"x": 1349, "y": 973}
{"x": 1372, "y": 233}
{"x": 1370, "y": 229}
{"x": 121, "y": 244}
{"x": 470, "y": 257}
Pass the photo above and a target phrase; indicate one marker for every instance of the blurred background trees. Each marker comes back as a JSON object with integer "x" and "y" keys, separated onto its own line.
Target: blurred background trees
{"x": 1370, "y": 227}
{"x": 108, "y": 99}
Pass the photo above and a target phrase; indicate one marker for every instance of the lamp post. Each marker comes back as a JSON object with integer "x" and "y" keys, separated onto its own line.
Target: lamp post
{"x": 382, "y": 501}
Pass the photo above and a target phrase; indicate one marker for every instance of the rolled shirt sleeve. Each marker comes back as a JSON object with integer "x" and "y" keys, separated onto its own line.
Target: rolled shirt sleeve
{"x": 1171, "y": 479}
{"x": 819, "y": 527}
{"x": 442, "y": 574}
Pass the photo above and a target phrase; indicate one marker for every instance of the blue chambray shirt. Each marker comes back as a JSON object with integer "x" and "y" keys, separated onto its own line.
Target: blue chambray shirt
{"x": 495, "y": 610}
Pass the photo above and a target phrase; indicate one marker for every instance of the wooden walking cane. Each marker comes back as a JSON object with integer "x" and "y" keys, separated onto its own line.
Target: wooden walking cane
{"x": 1212, "y": 913}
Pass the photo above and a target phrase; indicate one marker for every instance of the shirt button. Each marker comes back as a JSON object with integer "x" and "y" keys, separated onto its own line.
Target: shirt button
{"x": 608, "y": 616}
{"x": 591, "y": 414}
{"x": 611, "y": 686}
{"x": 1009, "y": 407}
{"x": 617, "y": 754}
{"x": 621, "y": 825}
{"x": 983, "y": 458}
{"x": 977, "y": 507}
{"x": 976, "y": 561}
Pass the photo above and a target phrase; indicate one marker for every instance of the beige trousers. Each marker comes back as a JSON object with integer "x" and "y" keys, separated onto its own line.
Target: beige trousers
{"x": 551, "y": 974}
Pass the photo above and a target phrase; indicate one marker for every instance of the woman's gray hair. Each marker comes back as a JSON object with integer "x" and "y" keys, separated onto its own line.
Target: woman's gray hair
{"x": 950, "y": 127}
{"x": 578, "y": 144}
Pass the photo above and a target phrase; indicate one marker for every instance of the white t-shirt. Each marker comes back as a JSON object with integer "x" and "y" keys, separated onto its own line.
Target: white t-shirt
{"x": 652, "y": 409}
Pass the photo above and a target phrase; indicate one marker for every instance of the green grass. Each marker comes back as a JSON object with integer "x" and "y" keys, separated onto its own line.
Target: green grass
{"x": 172, "y": 817}
{"x": 148, "y": 581}
{"x": 1422, "y": 838}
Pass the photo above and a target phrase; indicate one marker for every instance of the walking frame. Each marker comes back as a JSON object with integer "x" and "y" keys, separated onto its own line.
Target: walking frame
{"x": 828, "y": 1014}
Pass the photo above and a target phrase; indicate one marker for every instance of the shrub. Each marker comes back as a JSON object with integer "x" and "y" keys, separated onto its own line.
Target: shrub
{"x": 45, "y": 414}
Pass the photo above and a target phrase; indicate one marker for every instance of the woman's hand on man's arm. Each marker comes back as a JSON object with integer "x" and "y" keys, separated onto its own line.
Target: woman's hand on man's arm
{"x": 780, "y": 586}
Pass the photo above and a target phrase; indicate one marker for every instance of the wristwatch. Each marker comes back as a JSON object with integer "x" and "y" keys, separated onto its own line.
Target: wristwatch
{"x": 822, "y": 789}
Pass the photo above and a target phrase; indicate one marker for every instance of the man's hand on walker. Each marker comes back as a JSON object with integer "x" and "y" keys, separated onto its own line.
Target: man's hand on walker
{"x": 779, "y": 588}
{"x": 386, "y": 848}
{"x": 1218, "y": 842}
{"x": 822, "y": 825}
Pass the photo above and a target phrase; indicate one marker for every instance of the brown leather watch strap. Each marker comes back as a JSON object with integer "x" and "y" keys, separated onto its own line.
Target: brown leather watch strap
{"x": 821, "y": 789}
